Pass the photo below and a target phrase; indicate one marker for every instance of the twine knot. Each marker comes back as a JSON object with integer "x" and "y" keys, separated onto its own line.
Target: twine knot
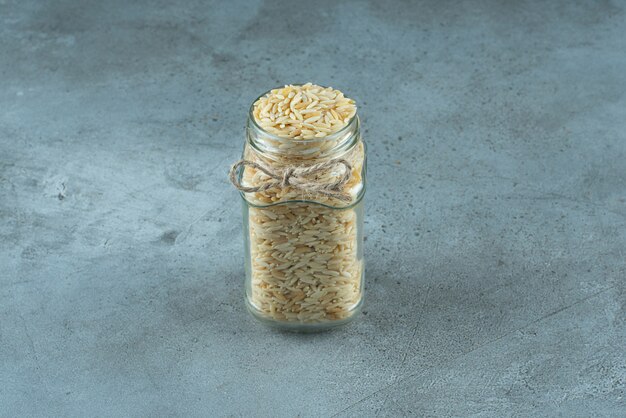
{"x": 286, "y": 176}
{"x": 297, "y": 177}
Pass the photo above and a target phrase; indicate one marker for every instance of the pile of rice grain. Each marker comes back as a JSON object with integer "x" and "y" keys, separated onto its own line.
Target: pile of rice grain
{"x": 305, "y": 260}
{"x": 303, "y": 112}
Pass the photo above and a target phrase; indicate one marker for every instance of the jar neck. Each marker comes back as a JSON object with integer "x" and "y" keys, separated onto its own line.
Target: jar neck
{"x": 288, "y": 149}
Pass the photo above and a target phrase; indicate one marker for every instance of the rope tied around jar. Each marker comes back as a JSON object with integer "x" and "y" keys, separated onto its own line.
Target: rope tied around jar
{"x": 298, "y": 177}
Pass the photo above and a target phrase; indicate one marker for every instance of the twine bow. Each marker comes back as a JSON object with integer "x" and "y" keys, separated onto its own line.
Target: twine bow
{"x": 298, "y": 177}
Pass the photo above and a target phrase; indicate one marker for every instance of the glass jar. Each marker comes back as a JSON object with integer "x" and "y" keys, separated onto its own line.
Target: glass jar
{"x": 303, "y": 226}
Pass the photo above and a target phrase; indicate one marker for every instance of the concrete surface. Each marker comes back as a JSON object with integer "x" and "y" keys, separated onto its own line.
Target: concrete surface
{"x": 496, "y": 213}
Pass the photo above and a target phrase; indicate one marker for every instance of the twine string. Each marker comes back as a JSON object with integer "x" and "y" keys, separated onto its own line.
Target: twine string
{"x": 303, "y": 178}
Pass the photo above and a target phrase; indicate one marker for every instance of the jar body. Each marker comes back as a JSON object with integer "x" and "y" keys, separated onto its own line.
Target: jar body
{"x": 303, "y": 251}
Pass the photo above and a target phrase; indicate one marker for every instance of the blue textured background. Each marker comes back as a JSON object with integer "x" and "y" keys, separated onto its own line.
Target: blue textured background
{"x": 496, "y": 209}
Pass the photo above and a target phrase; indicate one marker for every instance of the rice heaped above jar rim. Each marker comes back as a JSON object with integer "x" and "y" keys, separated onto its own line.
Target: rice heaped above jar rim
{"x": 303, "y": 112}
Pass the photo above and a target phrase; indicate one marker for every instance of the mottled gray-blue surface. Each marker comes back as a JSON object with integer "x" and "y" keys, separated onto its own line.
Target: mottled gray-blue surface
{"x": 496, "y": 209}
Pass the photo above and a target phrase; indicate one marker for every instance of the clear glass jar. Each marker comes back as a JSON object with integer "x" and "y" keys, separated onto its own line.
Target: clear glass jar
{"x": 304, "y": 250}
